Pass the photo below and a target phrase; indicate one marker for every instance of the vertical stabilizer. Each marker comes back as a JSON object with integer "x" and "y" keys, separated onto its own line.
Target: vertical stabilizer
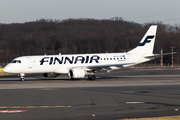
{"x": 146, "y": 45}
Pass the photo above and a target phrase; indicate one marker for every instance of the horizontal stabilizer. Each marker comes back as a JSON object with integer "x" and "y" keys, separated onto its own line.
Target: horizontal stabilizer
{"x": 157, "y": 55}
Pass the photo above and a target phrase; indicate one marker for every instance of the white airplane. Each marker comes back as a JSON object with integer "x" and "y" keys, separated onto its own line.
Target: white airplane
{"x": 81, "y": 65}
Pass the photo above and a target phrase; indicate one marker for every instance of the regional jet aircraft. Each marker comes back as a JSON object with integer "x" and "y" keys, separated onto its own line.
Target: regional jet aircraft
{"x": 81, "y": 65}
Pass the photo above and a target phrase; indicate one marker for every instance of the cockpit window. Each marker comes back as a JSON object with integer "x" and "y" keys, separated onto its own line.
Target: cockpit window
{"x": 15, "y": 61}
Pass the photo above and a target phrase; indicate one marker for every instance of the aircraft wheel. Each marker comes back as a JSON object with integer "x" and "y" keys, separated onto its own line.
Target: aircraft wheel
{"x": 21, "y": 79}
{"x": 91, "y": 77}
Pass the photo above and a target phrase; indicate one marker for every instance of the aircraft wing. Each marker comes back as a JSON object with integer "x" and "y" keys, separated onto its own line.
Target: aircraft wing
{"x": 104, "y": 67}
{"x": 157, "y": 55}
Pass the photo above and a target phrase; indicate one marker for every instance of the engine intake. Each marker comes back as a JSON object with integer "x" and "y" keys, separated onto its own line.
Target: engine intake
{"x": 77, "y": 73}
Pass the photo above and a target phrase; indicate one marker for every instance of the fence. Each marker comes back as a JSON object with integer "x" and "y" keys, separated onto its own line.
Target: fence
{"x": 3, "y": 65}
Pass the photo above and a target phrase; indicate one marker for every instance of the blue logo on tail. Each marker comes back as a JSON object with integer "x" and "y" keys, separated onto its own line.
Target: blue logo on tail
{"x": 146, "y": 40}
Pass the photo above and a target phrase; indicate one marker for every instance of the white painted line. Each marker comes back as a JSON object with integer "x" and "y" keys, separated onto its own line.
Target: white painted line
{"x": 135, "y": 102}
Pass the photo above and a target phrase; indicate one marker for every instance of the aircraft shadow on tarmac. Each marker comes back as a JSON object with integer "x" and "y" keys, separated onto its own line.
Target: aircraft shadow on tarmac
{"x": 64, "y": 78}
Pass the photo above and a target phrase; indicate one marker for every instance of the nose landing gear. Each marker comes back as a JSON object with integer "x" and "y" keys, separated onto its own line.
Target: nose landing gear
{"x": 22, "y": 77}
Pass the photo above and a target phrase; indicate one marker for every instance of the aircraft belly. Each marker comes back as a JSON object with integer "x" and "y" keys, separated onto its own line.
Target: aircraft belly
{"x": 62, "y": 71}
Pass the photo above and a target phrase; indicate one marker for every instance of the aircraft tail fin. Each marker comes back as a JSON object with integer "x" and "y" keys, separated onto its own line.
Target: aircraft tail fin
{"x": 146, "y": 45}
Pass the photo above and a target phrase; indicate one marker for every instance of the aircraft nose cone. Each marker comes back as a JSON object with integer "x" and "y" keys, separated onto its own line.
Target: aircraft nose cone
{"x": 6, "y": 69}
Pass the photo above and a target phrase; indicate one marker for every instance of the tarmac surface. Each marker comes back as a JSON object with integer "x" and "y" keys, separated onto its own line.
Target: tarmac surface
{"x": 121, "y": 94}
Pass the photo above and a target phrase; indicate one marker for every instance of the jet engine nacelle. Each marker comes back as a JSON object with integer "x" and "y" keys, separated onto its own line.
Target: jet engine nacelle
{"x": 50, "y": 74}
{"x": 77, "y": 73}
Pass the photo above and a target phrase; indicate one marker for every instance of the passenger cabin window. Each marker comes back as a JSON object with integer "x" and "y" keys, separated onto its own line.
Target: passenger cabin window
{"x": 15, "y": 61}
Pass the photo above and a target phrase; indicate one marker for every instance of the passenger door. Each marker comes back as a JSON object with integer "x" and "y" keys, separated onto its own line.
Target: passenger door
{"x": 30, "y": 62}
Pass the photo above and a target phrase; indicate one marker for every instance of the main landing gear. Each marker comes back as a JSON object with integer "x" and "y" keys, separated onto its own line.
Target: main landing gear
{"x": 91, "y": 77}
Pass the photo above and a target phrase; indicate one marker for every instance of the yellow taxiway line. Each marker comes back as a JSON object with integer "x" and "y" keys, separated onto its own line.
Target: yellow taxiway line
{"x": 1, "y": 69}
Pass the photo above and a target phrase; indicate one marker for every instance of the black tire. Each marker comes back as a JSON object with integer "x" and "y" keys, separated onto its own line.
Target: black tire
{"x": 22, "y": 79}
{"x": 91, "y": 77}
